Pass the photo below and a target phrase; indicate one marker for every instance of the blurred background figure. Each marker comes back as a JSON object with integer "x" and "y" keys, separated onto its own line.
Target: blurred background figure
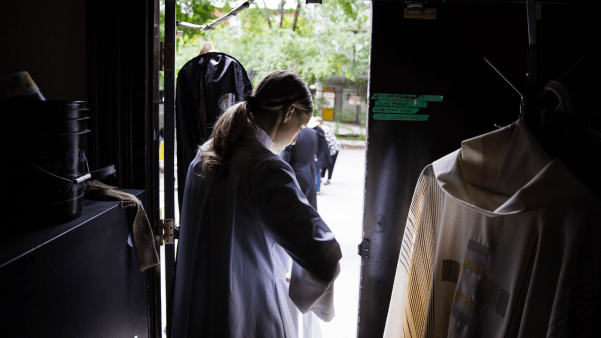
{"x": 323, "y": 158}
{"x": 334, "y": 148}
{"x": 301, "y": 157}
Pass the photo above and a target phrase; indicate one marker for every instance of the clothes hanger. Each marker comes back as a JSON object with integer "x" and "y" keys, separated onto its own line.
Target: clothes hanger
{"x": 555, "y": 87}
{"x": 207, "y": 46}
{"x": 512, "y": 86}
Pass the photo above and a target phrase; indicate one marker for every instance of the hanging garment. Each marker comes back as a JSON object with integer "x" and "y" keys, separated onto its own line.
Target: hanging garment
{"x": 206, "y": 86}
{"x": 301, "y": 157}
{"x": 501, "y": 241}
{"x": 141, "y": 231}
{"x": 237, "y": 235}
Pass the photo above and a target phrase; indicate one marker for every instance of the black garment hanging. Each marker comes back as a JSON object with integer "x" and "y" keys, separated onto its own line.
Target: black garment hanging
{"x": 206, "y": 86}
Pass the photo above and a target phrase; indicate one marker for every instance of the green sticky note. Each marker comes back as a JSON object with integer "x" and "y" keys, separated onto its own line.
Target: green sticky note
{"x": 380, "y": 96}
{"x": 430, "y": 98}
{"x": 400, "y": 117}
{"x": 385, "y": 110}
{"x": 402, "y": 104}
{"x": 408, "y": 110}
{"x": 395, "y": 110}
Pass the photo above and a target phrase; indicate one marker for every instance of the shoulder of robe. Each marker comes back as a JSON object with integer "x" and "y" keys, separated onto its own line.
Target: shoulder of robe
{"x": 271, "y": 166}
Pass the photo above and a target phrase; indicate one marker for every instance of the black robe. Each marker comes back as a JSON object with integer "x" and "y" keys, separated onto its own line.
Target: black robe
{"x": 224, "y": 83}
{"x": 301, "y": 158}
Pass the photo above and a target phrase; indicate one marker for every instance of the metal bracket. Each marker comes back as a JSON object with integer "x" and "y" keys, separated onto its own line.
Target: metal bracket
{"x": 161, "y": 55}
{"x": 166, "y": 231}
{"x": 364, "y": 249}
{"x": 417, "y": 10}
{"x": 166, "y": 57}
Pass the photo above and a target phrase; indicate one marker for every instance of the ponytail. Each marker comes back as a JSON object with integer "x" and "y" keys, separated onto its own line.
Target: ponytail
{"x": 277, "y": 91}
{"x": 225, "y": 134}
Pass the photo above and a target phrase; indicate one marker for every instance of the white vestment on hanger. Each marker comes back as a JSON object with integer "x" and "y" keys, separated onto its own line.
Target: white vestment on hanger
{"x": 500, "y": 241}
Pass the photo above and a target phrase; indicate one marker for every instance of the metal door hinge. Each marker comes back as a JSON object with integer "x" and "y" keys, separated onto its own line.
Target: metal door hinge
{"x": 364, "y": 249}
{"x": 166, "y": 230}
{"x": 166, "y": 57}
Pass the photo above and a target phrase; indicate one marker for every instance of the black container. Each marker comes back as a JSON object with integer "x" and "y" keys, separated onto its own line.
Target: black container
{"x": 35, "y": 111}
{"x": 60, "y": 126}
{"x": 43, "y": 198}
{"x": 45, "y": 151}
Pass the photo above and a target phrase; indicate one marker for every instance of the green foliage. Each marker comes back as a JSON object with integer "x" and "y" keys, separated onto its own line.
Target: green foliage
{"x": 198, "y": 12}
{"x": 329, "y": 39}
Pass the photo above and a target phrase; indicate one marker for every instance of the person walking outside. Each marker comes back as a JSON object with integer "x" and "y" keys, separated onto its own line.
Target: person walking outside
{"x": 301, "y": 157}
{"x": 333, "y": 146}
{"x": 323, "y": 154}
{"x": 244, "y": 219}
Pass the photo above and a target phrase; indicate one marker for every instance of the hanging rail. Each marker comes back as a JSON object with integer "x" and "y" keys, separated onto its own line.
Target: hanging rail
{"x": 530, "y": 112}
{"x": 219, "y": 21}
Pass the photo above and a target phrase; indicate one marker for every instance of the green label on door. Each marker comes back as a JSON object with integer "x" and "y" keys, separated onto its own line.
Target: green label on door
{"x": 395, "y": 110}
{"x": 430, "y": 98}
{"x": 400, "y": 117}
{"x": 401, "y": 107}
{"x": 380, "y": 96}
{"x": 404, "y": 103}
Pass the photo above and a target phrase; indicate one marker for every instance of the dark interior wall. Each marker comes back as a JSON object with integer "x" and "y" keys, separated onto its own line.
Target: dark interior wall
{"x": 48, "y": 40}
{"x": 445, "y": 57}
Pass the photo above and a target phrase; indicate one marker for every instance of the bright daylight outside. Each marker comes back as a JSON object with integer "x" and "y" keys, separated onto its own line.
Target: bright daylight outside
{"x": 327, "y": 46}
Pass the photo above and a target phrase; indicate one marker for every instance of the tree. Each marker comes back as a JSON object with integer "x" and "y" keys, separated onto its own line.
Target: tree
{"x": 316, "y": 42}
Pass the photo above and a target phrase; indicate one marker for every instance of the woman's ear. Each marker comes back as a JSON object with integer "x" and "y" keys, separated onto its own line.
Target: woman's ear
{"x": 289, "y": 112}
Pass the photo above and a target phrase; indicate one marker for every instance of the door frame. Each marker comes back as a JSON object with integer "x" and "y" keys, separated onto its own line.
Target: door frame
{"x": 123, "y": 96}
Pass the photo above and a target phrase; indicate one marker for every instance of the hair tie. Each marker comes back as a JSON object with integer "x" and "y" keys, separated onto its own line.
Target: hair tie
{"x": 252, "y": 103}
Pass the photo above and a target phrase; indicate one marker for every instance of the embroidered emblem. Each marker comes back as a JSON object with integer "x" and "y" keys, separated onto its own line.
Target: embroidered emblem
{"x": 450, "y": 270}
{"x": 476, "y": 257}
{"x": 463, "y": 308}
{"x": 488, "y": 293}
{"x": 493, "y": 296}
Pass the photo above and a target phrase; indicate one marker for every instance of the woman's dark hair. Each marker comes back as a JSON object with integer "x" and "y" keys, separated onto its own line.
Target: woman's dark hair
{"x": 276, "y": 92}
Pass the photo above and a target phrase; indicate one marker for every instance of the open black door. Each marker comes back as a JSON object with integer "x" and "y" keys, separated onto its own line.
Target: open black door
{"x": 123, "y": 93}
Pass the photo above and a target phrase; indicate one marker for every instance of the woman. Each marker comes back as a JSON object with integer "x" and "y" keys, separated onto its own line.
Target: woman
{"x": 243, "y": 217}
{"x": 323, "y": 154}
{"x": 334, "y": 148}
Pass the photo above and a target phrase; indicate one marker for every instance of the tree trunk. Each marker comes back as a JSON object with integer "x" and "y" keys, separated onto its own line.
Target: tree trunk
{"x": 296, "y": 16}
{"x": 267, "y": 10}
{"x": 282, "y": 9}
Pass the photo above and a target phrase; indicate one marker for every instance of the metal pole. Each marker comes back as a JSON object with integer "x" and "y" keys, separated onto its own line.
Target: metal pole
{"x": 531, "y": 107}
{"x": 169, "y": 148}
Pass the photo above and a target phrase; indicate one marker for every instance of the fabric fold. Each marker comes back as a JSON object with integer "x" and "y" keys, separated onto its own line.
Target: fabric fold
{"x": 143, "y": 236}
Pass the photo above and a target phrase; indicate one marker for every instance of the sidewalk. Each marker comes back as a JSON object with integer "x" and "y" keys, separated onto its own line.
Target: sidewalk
{"x": 349, "y": 129}
{"x": 340, "y": 204}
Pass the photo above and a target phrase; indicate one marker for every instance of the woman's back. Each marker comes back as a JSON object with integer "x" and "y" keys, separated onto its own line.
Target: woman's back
{"x": 237, "y": 235}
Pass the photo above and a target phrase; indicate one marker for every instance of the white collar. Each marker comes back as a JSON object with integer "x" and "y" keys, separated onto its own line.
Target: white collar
{"x": 264, "y": 138}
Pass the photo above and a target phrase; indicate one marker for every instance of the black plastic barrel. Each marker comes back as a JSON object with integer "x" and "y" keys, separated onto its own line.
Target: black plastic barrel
{"x": 45, "y": 151}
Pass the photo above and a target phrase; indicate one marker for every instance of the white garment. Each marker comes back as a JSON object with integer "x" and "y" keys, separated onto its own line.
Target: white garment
{"x": 237, "y": 236}
{"x": 501, "y": 241}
